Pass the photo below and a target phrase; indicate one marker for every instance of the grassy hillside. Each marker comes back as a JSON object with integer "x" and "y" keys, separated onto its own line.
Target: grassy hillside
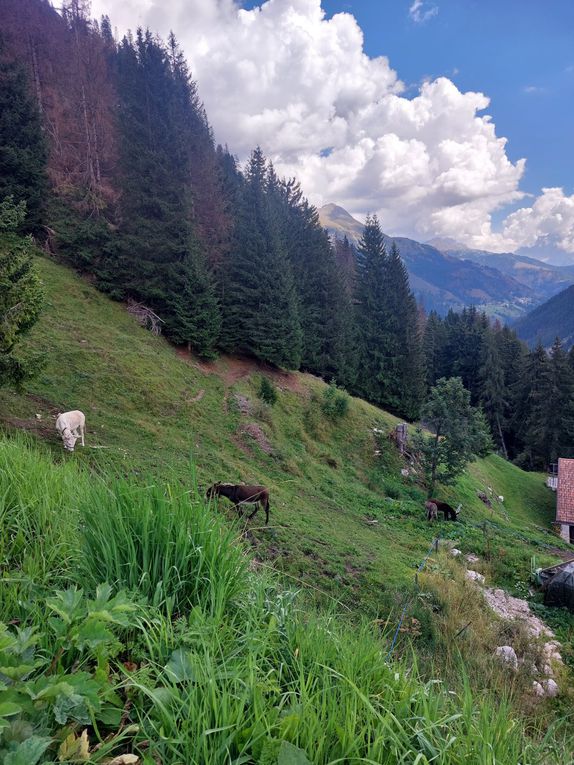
{"x": 151, "y": 408}
{"x": 189, "y": 657}
{"x": 347, "y": 528}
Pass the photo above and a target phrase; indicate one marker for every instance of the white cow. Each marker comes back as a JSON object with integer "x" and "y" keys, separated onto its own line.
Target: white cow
{"x": 68, "y": 424}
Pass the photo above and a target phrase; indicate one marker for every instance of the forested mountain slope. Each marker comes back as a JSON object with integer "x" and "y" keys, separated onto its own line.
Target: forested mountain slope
{"x": 552, "y": 319}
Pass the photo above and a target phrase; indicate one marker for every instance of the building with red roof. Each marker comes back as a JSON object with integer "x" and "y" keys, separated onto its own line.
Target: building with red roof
{"x": 565, "y": 499}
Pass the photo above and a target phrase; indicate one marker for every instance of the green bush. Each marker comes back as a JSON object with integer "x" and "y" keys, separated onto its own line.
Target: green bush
{"x": 267, "y": 391}
{"x": 335, "y": 404}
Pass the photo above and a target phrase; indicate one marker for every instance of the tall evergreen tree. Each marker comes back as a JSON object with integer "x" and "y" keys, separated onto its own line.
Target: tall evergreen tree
{"x": 372, "y": 316}
{"x": 23, "y": 153}
{"x": 260, "y": 305}
{"x": 559, "y": 406}
{"x": 21, "y": 294}
{"x": 530, "y": 418}
{"x": 492, "y": 389}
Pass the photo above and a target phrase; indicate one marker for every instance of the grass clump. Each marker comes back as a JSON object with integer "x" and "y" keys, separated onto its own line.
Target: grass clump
{"x": 335, "y": 403}
{"x": 164, "y": 545}
{"x": 267, "y": 391}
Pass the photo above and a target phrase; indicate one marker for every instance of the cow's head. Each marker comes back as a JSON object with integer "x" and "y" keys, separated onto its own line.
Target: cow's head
{"x": 69, "y": 440}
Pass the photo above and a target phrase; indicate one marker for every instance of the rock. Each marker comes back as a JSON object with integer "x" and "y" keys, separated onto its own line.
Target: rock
{"x": 404, "y": 472}
{"x": 472, "y": 558}
{"x": 455, "y": 552}
{"x": 537, "y": 689}
{"x": 474, "y": 576}
{"x": 550, "y": 688}
{"x": 547, "y": 670}
{"x": 508, "y": 655}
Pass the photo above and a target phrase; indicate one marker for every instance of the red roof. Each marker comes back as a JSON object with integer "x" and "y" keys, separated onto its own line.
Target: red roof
{"x": 565, "y": 491}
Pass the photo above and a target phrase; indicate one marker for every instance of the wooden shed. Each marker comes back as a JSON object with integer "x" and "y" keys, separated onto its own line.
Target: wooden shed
{"x": 565, "y": 499}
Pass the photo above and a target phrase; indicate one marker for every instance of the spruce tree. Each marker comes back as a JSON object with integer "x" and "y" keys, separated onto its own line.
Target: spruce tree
{"x": 372, "y": 316}
{"x": 21, "y": 294}
{"x": 492, "y": 389}
{"x": 260, "y": 306}
{"x": 560, "y": 406}
{"x": 531, "y": 412}
{"x": 23, "y": 153}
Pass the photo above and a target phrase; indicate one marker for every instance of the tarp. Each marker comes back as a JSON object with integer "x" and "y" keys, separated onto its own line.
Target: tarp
{"x": 560, "y": 589}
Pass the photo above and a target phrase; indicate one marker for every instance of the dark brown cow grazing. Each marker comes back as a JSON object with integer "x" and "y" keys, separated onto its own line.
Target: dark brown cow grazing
{"x": 242, "y": 494}
{"x": 449, "y": 512}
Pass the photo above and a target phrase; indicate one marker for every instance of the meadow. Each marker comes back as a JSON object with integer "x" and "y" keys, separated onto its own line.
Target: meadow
{"x": 165, "y": 627}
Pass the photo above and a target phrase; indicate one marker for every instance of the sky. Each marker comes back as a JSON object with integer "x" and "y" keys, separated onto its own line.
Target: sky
{"x": 444, "y": 117}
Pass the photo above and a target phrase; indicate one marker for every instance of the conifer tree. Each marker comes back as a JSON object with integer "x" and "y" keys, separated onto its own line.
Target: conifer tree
{"x": 23, "y": 152}
{"x": 530, "y": 418}
{"x": 405, "y": 383}
{"x": 492, "y": 389}
{"x": 21, "y": 294}
{"x": 372, "y": 316}
{"x": 559, "y": 406}
{"x": 260, "y": 306}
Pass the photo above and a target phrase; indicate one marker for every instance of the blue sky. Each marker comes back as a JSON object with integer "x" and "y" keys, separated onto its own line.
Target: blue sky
{"x": 520, "y": 53}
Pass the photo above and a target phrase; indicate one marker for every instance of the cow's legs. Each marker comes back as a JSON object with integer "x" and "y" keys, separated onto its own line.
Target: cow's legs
{"x": 82, "y": 434}
{"x": 253, "y": 513}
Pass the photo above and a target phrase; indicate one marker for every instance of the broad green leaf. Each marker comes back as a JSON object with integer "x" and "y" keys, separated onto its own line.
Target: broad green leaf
{"x": 180, "y": 666}
{"x": 28, "y": 752}
{"x": 72, "y": 707}
{"x": 19, "y": 672}
{"x": 9, "y": 708}
{"x": 66, "y": 603}
{"x": 291, "y": 755}
{"x": 93, "y": 633}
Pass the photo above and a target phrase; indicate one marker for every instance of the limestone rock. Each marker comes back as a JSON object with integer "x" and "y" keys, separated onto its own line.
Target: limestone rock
{"x": 508, "y": 655}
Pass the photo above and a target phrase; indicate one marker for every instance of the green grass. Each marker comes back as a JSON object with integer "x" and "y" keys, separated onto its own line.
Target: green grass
{"x": 153, "y": 411}
{"x": 157, "y": 417}
{"x": 245, "y": 673}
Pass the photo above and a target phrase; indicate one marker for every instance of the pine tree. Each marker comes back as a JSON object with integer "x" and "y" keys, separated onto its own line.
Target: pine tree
{"x": 21, "y": 294}
{"x": 560, "y": 406}
{"x": 530, "y": 419}
{"x": 405, "y": 383}
{"x": 23, "y": 152}
{"x": 372, "y": 316}
{"x": 260, "y": 306}
{"x": 193, "y": 318}
{"x": 492, "y": 389}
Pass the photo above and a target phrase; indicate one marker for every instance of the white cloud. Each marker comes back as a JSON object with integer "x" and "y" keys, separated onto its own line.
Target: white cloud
{"x": 550, "y": 221}
{"x": 419, "y": 14}
{"x": 300, "y": 85}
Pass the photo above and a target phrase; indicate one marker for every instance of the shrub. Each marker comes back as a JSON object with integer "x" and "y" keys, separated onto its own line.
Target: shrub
{"x": 335, "y": 402}
{"x": 267, "y": 391}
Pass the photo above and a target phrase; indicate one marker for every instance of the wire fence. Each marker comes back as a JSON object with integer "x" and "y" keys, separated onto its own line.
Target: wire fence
{"x": 410, "y": 601}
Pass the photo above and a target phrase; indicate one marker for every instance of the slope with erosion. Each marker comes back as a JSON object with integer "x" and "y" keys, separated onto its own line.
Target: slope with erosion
{"x": 344, "y": 521}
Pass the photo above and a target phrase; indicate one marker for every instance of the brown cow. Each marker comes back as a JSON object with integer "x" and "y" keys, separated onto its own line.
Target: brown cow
{"x": 242, "y": 494}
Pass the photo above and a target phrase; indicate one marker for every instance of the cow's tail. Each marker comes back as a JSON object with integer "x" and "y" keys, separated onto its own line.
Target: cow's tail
{"x": 266, "y": 511}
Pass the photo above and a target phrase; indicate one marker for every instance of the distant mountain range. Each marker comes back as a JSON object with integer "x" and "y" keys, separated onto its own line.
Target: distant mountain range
{"x": 444, "y": 274}
{"x": 549, "y": 320}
